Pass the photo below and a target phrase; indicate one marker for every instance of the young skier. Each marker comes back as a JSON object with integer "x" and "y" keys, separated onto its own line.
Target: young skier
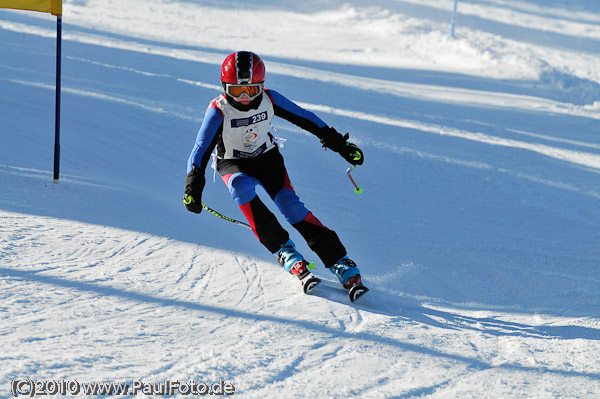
{"x": 238, "y": 124}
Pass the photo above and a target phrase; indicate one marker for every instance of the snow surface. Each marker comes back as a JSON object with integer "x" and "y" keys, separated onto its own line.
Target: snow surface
{"x": 478, "y": 229}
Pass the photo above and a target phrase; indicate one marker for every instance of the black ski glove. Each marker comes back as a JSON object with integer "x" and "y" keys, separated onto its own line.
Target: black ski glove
{"x": 194, "y": 185}
{"x": 351, "y": 153}
{"x": 333, "y": 140}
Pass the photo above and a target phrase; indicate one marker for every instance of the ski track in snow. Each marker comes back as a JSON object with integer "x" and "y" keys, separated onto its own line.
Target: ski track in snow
{"x": 152, "y": 318}
{"x": 429, "y": 92}
{"x": 579, "y": 157}
{"x": 82, "y": 299}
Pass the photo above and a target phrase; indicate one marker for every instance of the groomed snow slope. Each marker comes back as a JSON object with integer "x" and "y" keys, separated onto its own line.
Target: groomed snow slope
{"x": 477, "y": 229}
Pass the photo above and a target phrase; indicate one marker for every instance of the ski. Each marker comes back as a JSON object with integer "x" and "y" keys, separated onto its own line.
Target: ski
{"x": 308, "y": 280}
{"x": 357, "y": 291}
{"x": 355, "y": 287}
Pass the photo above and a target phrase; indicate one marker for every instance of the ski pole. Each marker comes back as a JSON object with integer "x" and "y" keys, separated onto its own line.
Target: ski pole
{"x": 221, "y": 216}
{"x": 357, "y": 189}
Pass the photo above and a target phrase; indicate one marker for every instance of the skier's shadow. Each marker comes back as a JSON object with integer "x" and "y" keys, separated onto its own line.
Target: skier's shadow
{"x": 373, "y": 304}
{"x": 444, "y": 316}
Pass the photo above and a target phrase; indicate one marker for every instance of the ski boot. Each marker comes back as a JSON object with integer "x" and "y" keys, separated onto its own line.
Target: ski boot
{"x": 349, "y": 276}
{"x": 293, "y": 262}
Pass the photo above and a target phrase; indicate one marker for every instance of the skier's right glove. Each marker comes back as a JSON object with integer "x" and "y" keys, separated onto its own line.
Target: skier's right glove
{"x": 333, "y": 140}
{"x": 194, "y": 185}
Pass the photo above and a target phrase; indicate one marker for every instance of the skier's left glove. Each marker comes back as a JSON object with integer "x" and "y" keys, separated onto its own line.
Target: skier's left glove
{"x": 333, "y": 140}
{"x": 194, "y": 185}
{"x": 351, "y": 153}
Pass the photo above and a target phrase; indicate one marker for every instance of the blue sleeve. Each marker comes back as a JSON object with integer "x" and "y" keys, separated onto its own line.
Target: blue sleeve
{"x": 292, "y": 112}
{"x": 205, "y": 140}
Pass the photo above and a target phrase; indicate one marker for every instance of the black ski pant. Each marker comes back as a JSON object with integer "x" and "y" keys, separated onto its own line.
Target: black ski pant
{"x": 268, "y": 170}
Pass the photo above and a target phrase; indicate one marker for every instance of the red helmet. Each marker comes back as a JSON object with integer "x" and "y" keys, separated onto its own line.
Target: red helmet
{"x": 242, "y": 67}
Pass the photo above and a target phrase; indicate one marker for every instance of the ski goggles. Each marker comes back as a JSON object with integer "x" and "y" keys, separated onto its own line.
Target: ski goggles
{"x": 251, "y": 90}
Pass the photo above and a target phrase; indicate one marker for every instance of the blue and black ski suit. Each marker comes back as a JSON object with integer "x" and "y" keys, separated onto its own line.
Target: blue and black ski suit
{"x": 247, "y": 155}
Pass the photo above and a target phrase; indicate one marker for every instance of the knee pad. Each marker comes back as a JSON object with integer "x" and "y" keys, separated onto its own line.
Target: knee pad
{"x": 290, "y": 206}
{"x": 242, "y": 188}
